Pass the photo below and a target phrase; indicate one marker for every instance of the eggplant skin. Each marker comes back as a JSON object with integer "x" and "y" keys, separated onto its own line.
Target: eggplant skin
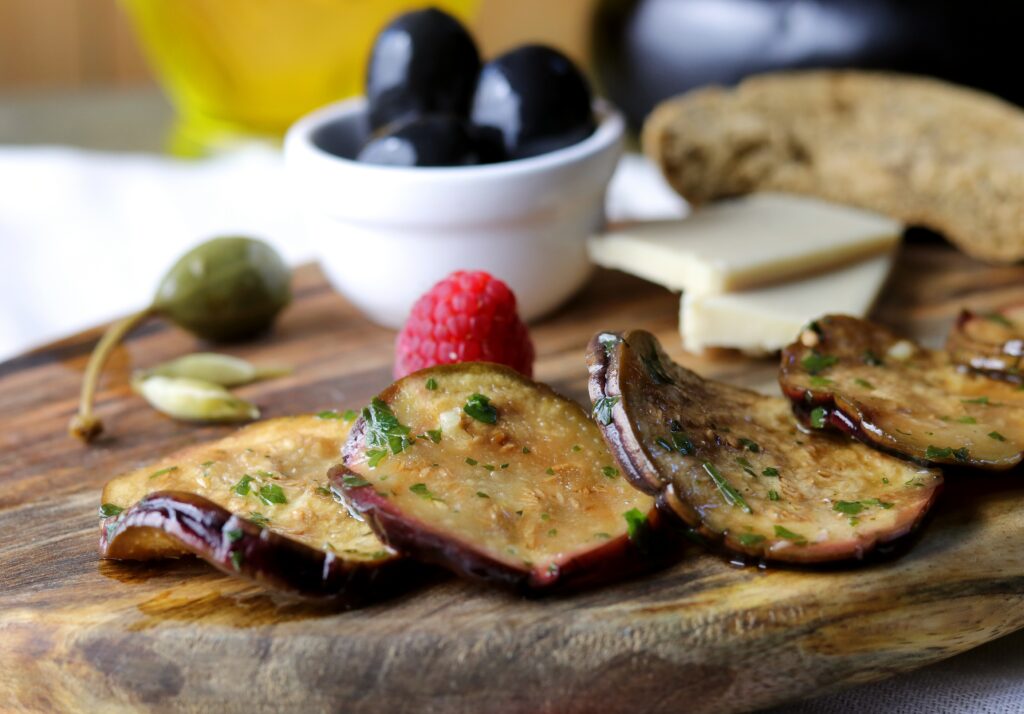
{"x": 900, "y": 398}
{"x": 991, "y": 344}
{"x": 239, "y": 547}
{"x": 742, "y": 478}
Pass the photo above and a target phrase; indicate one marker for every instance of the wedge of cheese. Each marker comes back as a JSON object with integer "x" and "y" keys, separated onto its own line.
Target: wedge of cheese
{"x": 767, "y": 319}
{"x": 745, "y": 243}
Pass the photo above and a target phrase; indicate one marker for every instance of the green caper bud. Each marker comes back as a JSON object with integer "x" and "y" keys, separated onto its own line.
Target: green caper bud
{"x": 225, "y": 289}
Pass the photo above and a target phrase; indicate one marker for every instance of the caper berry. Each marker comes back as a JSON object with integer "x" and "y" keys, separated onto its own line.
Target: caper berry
{"x": 224, "y": 289}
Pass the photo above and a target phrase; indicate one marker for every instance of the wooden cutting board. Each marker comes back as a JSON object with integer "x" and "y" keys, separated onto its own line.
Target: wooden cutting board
{"x": 78, "y": 634}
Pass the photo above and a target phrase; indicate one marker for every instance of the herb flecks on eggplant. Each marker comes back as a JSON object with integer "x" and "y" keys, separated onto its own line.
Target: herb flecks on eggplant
{"x": 733, "y": 466}
{"x": 479, "y": 469}
{"x": 990, "y": 342}
{"x": 857, "y": 377}
{"x": 169, "y": 521}
{"x": 272, "y": 474}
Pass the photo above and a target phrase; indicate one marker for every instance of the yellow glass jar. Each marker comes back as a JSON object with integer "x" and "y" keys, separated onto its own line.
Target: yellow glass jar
{"x": 242, "y": 68}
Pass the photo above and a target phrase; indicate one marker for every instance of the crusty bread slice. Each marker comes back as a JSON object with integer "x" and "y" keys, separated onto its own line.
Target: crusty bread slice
{"x": 919, "y": 150}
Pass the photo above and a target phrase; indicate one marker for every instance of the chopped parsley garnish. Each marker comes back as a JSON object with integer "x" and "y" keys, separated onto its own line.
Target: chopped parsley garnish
{"x": 109, "y": 510}
{"x": 750, "y": 445}
{"x": 489, "y": 467}
{"x": 967, "y": 420}
{"x": 773, "y": 495}
{"x": 471, "y": 461}
{"x": 783, "y": 532}
{"x": 545, "y": 516}
{"x": 747, "y": 466}
{"x": 916, "y": 482}
{"x": 976, "y": 400}
{"x": 434, "y": 435}
{"x": 480, "y": 408}
{"x": 996, "y": 435}
{"x": 770, "y": 471}
{"x": 271, "y": 493}
{"x": 871, "y": 359}
{"x": 636, "y": 525}
{"x": 374, "y": 456}
{"x": 850, "y": 508}
{"x": 162, "y": 472}
{"x": 863, "y": 383}
{"x": 749, "y": 539}
{"x": 349, "y": 414}
{"x": 683, "y": 444}
{"x": 577, "y": 447}
{"x": 526, "y": 449}
{"x": 553, "y": 532}
{"x": 730, "y": 494}
{"x": 818, "y": 417}
{"x": 481, "y": 494}
{"x": 603, "y": 536}
{"x": 608, "y": 341}
{"x": 242, "y": 487}
{"x": 814, "y": 362}
{"x": 610, "y": 471}
{"x": 234, "y": 535}
{"x": 324, "y": 491}
{"x": 421, "y": 490}
{"x": 885, "y": 480}
{"x": 328, "y": 414}
{"x": 875, "y": 502}
{"x": 998, "y": 319}
{"x": 383, "y": 428}
{"x": 817, "y": 381}
{"x": 237, "y": 558}
{"x": 504, "y": 466}
{"x": 431, "y": 383}
{"x": 549, "y": 471}
{"x": 355, "y": 481}
{"x": 935, "y": 452}
{"x": 258, "y": 519}
{"x": 603, "y": 409}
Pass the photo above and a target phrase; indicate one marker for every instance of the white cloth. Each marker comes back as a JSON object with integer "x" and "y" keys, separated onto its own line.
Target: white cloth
{"x": 85, "y": 236}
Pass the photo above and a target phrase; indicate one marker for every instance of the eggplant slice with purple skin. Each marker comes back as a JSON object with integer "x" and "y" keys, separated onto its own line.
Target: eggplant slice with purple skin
{"x": 266, "y": 487}
{"x": 237, "y": 546}
{"x": 991, "y": 343}
{"x": 734, "y": 467}
{"x": 483, "y": 471}
{"x": 857, "y": 377}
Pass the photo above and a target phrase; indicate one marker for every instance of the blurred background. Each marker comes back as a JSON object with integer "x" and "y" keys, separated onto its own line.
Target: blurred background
{"x": 126, "y": 125}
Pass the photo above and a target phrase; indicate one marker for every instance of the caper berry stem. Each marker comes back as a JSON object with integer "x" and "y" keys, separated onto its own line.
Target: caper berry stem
{"x": 85, "y": 425}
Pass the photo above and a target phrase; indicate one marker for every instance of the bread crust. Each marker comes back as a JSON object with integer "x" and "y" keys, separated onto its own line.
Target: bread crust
{"x": 922, "y": 151}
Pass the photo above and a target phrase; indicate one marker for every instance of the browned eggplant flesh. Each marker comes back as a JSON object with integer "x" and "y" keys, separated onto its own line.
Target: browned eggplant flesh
{"x": 267, "y": 481}
{"x": 990, "y": 342}
{"x": 733, "y": 464}
{"x": 858, "y": 377}
{"x": 494, "y": 476}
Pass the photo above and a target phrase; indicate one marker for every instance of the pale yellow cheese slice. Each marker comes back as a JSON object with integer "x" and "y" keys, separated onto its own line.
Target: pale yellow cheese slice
{"x": 745, "y": 243}
{"x": 767, "y": 319}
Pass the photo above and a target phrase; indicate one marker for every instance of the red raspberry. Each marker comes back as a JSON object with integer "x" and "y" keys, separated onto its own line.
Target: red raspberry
{"x": 469, "y": 316}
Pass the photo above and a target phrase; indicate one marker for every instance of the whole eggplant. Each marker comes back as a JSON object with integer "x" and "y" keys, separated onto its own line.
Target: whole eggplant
{"x": 648, "y": 50}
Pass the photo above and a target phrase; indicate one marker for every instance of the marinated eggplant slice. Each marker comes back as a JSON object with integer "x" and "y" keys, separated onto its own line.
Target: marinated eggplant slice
{"x": 188, "y": 522}
{"x": 481, "y": 470}
{"x": 858, "y": 377}
{"x": 991, "y": 342}
{"x": 732, "y": 464}
{"x": 272, "y": 474}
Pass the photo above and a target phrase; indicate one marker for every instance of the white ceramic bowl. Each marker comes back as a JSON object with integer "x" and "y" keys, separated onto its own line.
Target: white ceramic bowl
{"x": 387, "y": 234}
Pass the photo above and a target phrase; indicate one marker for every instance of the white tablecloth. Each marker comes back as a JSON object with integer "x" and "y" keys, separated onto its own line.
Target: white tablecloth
{"x": 85, "y": 236}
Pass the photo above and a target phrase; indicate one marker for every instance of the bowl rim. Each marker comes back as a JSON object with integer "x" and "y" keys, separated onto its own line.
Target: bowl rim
{"x": 299, "y": 140}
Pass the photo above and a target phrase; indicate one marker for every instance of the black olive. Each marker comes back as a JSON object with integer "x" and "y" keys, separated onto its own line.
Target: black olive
{"x": 536, "y": 98}
{"x": 436, "y": 140}
{"x": 423, "y": 62}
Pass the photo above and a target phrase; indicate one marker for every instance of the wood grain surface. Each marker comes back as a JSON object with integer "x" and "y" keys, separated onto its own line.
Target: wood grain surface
{"x": 78, "y": 634}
